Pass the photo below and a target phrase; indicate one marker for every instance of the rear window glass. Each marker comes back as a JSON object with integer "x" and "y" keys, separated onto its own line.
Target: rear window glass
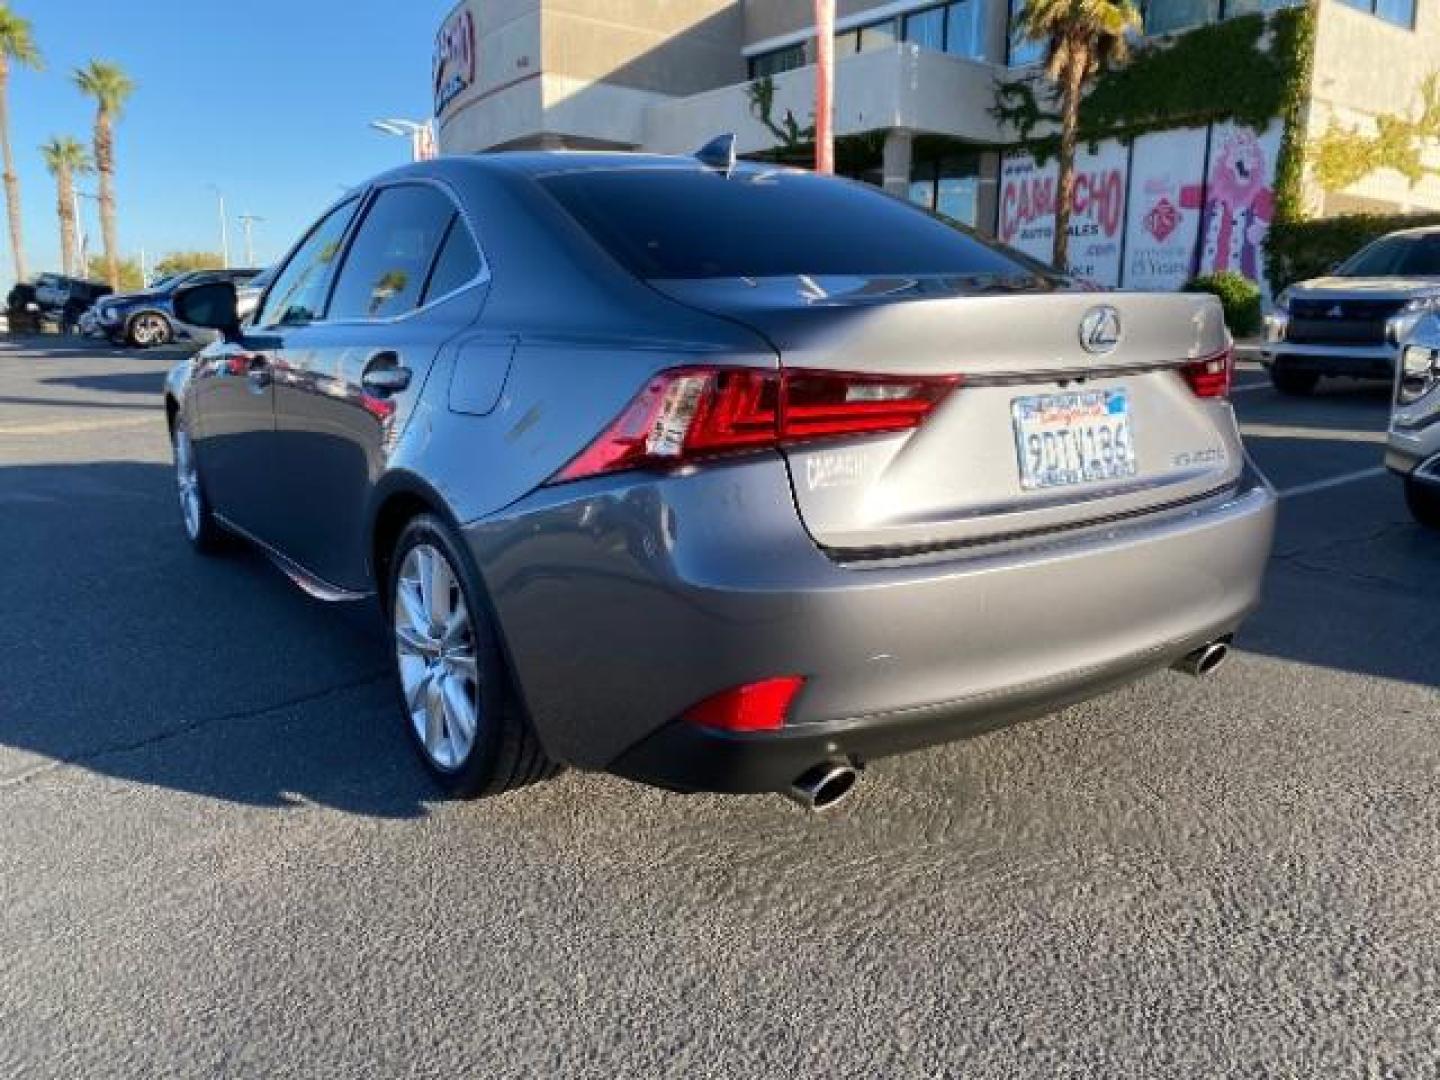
{"x": 690, "y": 223}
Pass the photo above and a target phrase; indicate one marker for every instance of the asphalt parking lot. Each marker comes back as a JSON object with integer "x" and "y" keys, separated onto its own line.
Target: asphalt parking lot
{"x": 218, "y": 856}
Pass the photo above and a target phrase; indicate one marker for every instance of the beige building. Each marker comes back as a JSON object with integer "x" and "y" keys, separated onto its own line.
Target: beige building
{"x": 915, "y": 84}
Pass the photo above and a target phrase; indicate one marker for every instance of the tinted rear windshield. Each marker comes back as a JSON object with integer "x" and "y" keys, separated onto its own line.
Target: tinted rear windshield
{"x": 689, "y": 223}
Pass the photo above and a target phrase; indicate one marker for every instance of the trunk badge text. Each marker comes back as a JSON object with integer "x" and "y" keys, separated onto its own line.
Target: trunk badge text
{"x": 1100, "y": 329}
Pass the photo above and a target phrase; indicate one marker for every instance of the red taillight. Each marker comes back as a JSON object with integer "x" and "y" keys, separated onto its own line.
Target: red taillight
{"x": 757, "y": 706}
{"x": 690, "y": 413}
{"x": 1209, "y": 377}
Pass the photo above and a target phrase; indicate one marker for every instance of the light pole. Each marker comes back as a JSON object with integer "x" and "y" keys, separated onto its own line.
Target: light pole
{"x": 825, "y": 86}
{"x": 81, "y": 239}
{"x": 249, "y": 221}
{"x": 224, "y": 226}
{"x": 420, "y": 133}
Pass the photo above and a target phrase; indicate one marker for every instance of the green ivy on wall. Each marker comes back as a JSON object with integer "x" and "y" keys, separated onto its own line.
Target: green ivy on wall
{"x": 789, "y": 135}
{"x": 1249, "y": 70}
{"x": 1289, "y": 210}
{"x": 1341, "y": 156}
{"x": 1239, "y": 70}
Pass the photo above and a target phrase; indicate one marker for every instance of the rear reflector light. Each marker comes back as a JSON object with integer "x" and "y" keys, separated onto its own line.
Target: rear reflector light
{"x": 757, "y": 706}
{"x": 1209, "y": 377}
{"x": 692, "y": 413}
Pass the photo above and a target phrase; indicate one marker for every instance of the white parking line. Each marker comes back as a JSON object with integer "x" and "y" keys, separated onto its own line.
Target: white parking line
{"x": 1289, "y": 431}
{"x": 1334, "y": 481}
{"x": 72, "y": 427}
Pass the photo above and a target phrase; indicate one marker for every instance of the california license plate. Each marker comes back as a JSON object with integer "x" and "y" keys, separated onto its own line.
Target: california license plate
{"x": 1079, "y": 437}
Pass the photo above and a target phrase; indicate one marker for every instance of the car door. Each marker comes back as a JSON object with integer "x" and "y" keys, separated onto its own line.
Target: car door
{"x": 234, "y": 385}
{"x": 350, "y": 380}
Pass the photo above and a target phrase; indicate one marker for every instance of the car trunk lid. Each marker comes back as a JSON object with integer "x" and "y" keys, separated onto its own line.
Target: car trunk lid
{"x": 973, "y": 471}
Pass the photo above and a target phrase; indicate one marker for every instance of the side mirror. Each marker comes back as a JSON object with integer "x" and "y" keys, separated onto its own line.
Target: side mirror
{"x": 212, "y": 305}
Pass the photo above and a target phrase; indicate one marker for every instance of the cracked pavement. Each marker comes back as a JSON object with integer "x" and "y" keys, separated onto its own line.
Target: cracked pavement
{"x": 218, "y": 856}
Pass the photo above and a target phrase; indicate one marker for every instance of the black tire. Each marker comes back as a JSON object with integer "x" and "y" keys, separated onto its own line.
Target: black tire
{"x": 205, "y": 533}
{"x": 1424, "y": 502}
{"x": 139, "y": 333}
{"x": 1293, "y": 383}
{"x": 505, "y": 753}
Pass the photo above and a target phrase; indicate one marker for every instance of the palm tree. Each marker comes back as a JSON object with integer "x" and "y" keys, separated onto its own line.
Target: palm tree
{"x": 17, "y": 46}
{"x": 66, "y": 158}
{"x": 108, "y": 84}
{"x": 1082, "y": 38}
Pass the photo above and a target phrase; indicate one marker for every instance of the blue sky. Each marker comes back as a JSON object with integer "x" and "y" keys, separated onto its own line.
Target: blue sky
{"x": 269, "y": 99}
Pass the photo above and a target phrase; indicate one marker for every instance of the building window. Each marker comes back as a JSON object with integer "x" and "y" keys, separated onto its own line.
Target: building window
{"x": 777, "y": 60}
{"x": 955, "y": 28}
{"x": 926, "y": 29}
{"x": 1022, "y": 50}
{"x": 1399, "y": 12}
{"x": 950, "y": 186}
{"x": 880, "y": 35}
{"x": 1170, "y": 16}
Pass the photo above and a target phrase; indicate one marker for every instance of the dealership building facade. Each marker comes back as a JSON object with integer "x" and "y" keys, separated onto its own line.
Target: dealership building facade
{"x": 915, "y": 111}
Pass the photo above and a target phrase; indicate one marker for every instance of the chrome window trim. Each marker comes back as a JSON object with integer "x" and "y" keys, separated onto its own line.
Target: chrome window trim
{"x": 355, "y": 195}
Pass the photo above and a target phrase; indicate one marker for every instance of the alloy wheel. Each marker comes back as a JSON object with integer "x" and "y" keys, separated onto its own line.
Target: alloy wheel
{"x": 149, "y": 330}
{"x": 187, "y": 481}
{"x": 435, "y": 649}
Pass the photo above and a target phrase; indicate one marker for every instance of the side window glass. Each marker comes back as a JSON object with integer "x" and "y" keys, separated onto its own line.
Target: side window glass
{"x": 299, "y": 291}
{"x": 385, "y": 272}
{"x": 458, "y": 263}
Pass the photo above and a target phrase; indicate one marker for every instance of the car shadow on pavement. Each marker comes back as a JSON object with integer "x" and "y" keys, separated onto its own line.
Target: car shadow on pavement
{"x": 127, "y": 654}
{"x": 129, "y": 382}
{"x": 73, "y": 347}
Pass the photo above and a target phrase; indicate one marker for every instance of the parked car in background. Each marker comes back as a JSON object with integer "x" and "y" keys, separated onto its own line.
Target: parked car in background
{"x": 1351, "y": 322}
{"x": 1413, "y": 452}
{"x": 147, "y": 319}
{"x": 247, "y": 295}
{"x": 22, "y": 310}
{"x": 716, "y": 476}
{"x": 63, "y": 300}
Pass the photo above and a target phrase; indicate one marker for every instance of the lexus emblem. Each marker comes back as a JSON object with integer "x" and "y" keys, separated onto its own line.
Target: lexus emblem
{"x": 1100, "y": 330}
{"x": 1336, "y": 312}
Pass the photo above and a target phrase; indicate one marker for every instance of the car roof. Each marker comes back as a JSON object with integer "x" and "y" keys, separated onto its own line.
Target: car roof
{"x": 535, "y": 164}
{"x": 1419, "y": 230}
{"x": 541, "y": 163}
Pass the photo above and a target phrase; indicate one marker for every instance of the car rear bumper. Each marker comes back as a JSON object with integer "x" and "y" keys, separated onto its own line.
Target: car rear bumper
{"x": 621, "y": 607}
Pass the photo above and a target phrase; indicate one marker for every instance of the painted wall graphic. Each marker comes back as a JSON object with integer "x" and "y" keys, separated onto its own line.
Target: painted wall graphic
{"x": 1027, "y": 209}
{"x": 1239, "y": 199}
{"x": 1167, "y": 170}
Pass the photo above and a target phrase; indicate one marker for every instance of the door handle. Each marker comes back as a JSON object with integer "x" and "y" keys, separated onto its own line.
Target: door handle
{"x": 384, "y": 376}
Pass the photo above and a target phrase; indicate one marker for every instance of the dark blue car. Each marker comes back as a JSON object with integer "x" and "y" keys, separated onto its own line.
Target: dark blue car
{"x": 147, "y": 319}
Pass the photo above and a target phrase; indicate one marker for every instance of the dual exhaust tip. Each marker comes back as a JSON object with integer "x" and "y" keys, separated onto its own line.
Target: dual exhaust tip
{"x": 1206, "y": 660}
{"x": 825, "y": 785}
{"x": 830, "y": 783}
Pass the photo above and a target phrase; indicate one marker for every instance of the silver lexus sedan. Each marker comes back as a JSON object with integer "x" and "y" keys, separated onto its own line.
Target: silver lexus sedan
{"x": 719, "y": 477}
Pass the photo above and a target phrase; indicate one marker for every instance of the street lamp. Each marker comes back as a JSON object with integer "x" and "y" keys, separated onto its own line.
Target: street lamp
{"x": 419, "y": 132}
{"x": 81, "y": 240}
{"x": 249, "y": 221}
{"x": 224, "y": 225}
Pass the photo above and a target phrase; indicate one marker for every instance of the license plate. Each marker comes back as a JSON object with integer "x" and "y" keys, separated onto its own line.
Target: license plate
{"x": 1081, "y": 437}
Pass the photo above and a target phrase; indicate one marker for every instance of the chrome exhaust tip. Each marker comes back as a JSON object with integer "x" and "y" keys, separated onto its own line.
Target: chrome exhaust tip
{"x": 823, "y": 786}
{"x": 1205, "y": 660}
